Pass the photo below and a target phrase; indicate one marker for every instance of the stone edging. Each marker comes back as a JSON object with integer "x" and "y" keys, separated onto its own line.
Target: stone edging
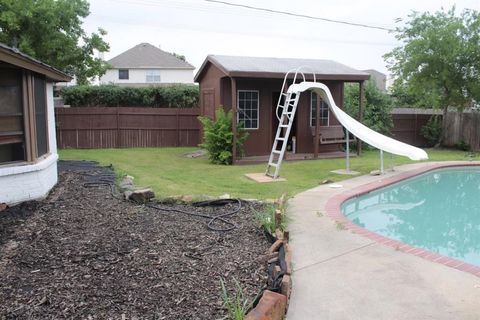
{"x": 273, "y": 305}
{"x": 333, "y": 210}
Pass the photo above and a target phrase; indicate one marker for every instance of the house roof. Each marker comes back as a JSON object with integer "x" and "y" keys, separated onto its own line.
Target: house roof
{"x": 14, "y": 57}
{"x": 145, "y": 55}
{"x": 259, "y": 67}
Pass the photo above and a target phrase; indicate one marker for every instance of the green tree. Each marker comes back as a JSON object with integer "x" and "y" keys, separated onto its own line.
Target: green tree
{"x": 179, "y": 56}
{"x": 51, "y": 31}
{"x": 439, "y": 61}
{"x": 377, "y": 106}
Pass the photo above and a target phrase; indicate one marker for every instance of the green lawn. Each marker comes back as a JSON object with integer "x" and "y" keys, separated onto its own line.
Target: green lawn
{"x": 171, "y": 174}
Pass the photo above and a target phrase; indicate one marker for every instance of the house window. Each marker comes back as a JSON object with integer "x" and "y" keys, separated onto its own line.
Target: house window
{"x": 123, "y": 74}
{"x": 12, "y": 137}
{"x": 153, "y": 76}
{"x": 316, "y": 101}
{"x": 247, "y": 106}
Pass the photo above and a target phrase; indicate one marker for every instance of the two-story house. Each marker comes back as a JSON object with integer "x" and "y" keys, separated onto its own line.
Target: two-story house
{"x": 145, "y": 65}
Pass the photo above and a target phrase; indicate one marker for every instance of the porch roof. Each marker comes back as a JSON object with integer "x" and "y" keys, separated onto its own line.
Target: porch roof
{"x": 15, "y": 57}
{"x": 263, "y": 67}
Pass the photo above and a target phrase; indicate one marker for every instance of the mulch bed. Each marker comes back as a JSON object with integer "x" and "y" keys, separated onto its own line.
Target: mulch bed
{"x": 84, "y": 254}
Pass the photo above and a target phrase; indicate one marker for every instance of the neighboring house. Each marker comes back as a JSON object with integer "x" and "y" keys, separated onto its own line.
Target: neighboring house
{"x": 28, "y": 148}
{"x": 145, "y": 65}
{"x": 379, "y": 78}
{"x": 253, "y": 85}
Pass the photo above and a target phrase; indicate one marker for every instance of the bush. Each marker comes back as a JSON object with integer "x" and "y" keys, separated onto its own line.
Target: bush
{"x": 177, "y": 96}
{"x": 377, "y": 106}
{"x": 432, "y": 130}
{"x": 463, "y": 146}
{"x": 218, "y": 137}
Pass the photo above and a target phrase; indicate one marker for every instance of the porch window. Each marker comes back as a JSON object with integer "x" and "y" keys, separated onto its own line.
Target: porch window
{"x": 123, "y": 74}
{"x": 23, "y": 116}
{"x": 153, "y": 76}
{"x": 12, "y": 137}
{"x": 247, "y": 106}
{"x": 317, "y": 102}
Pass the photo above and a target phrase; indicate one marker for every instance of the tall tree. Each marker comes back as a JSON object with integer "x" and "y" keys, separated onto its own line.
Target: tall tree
{"x": 51, "y": 31}
{"x": 439, "y": 61}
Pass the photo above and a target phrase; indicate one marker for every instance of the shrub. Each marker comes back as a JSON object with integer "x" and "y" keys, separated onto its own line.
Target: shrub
{"x": 218, "y": 137}
{"x": 432, "y": 130}
{"x": 177, "y": 96}
{"x": 378, "y": 105}
{"x": 463, "y": 146}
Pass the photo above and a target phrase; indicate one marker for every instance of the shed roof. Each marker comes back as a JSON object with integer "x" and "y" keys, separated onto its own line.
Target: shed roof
{"x": 145, "y": 55}
{"x": 14, "y": 57}
{"x": 262, "y": 67}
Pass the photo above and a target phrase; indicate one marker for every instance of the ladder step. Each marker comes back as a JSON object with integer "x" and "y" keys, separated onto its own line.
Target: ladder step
{"x": 273, "y": 164}
{"x": 283, "y": 125}
{"x": 276, "y": 151}
{"x": 281, "y": 139}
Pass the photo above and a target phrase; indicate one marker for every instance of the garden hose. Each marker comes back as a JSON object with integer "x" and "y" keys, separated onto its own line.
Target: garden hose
{"x": 213, "y": 218}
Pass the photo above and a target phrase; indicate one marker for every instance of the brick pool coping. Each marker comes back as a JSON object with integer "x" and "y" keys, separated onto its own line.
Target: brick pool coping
{"x": 333, "y": 210}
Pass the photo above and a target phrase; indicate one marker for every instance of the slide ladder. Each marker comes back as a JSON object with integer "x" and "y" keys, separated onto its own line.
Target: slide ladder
{"x": 287, "y": 103}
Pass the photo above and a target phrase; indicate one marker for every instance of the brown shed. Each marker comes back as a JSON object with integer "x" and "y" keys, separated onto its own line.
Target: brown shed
{"x": 252, "y": 86}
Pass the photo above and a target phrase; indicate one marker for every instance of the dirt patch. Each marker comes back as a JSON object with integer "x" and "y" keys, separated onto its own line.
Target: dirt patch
{"x": 83, "y": 254}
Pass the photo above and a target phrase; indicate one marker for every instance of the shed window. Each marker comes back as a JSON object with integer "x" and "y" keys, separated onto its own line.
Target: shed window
{"x": 317, "y": 102}
{"x": 123, "y": 74}
{"x": 153, "y": 76}
{"x": 12, "y": 138}
{"x": 247, "y": 105}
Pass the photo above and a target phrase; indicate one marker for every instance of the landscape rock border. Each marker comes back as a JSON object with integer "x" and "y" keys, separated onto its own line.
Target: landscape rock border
{"x": 273, "y": 305}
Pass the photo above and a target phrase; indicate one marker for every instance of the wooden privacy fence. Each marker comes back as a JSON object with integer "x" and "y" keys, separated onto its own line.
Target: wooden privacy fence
{"x": 408, "y": 123}
{"x": 462, "y": 126}
{"x": 120, "y": 127}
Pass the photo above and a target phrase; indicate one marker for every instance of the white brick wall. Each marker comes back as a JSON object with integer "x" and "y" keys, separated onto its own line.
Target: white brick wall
{"x": 34, "y": 183}
{"x": 20, "y": 183}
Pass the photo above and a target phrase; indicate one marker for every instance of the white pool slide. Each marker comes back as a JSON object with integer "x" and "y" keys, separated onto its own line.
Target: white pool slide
{"x": 359, "y": 130}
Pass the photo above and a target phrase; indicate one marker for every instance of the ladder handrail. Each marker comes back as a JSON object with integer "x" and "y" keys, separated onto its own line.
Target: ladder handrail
{"x": 297, "y": 71}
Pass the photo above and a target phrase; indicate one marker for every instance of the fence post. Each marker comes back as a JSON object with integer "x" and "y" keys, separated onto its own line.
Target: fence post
{"x": 178, "y": 127}
{"x": 117, "y": 145}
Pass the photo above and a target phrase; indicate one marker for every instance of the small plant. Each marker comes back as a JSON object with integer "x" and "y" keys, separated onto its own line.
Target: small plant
{"x": 432, "y": 130}
{"x": 266, "y": 219}
{"x": 339, "y": 225}
{"x": 218, "y": 137}
{"x": 236, "y": 304}
{"x": 463, "y": 146}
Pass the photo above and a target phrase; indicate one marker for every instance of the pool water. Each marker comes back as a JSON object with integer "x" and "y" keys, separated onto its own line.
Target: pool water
{"x": 438, "y": 211}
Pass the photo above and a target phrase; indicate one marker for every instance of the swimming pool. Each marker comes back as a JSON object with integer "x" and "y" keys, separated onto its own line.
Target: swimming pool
{"x": 438, "y": 211}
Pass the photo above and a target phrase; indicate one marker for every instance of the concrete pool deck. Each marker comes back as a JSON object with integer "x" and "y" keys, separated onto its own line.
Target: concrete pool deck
{"x": 338, "y": 274}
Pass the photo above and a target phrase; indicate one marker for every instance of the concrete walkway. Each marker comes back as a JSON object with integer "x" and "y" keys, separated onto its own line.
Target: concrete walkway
{"x": 341, "y": 275}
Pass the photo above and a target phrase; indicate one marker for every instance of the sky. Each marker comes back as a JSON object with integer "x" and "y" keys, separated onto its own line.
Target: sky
{"x": 197, "y": 28}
